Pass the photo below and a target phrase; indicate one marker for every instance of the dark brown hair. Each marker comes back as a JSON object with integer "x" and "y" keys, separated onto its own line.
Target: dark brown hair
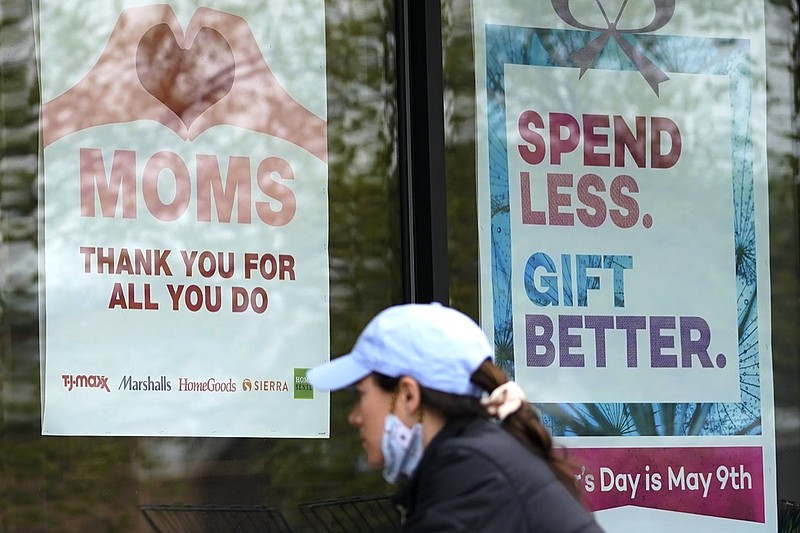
{"x": 524, "y": 424}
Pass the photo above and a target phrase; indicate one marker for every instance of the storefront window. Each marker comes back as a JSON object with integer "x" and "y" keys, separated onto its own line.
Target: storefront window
{"x": 781, "y": 83}
{"x": 76, "y": 483}
{"x": 136, "y": 483}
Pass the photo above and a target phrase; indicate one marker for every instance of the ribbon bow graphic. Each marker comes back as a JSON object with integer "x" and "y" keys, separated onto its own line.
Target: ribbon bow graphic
{"x": 587, "y": 56}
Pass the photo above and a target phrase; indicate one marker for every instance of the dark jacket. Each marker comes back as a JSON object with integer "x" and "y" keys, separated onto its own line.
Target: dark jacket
{"x": 475, "y": 476}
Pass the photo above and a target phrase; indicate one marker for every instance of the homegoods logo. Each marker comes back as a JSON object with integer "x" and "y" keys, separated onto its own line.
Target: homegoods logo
{"x": 82, "y": 381}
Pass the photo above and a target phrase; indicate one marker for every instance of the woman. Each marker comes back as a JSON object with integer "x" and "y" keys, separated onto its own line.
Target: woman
{"x": 428, "y": 403}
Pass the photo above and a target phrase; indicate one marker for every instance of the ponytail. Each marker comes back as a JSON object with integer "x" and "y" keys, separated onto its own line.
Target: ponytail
{"x": 527, "y": 427}
{"x": 524, "y": 423}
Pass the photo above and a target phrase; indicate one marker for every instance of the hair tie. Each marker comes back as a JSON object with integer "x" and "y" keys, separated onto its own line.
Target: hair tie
{"x": 504, "y": 400}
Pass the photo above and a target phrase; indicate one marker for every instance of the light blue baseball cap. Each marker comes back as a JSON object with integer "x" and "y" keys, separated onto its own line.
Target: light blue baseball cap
{"x": 436, "y": 345}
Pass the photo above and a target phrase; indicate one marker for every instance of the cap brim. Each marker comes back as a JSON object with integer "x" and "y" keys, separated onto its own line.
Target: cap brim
{"x": 337, "y": 373}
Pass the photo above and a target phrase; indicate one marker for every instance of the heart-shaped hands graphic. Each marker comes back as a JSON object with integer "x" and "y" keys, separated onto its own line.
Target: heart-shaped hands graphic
{"x": 212, "y": 74}
{"x": 188, "y": 81}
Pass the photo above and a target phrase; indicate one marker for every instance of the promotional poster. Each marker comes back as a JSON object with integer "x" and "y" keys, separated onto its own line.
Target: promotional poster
{"x": 624, "y": 255}
{"x": 184, "y": 218}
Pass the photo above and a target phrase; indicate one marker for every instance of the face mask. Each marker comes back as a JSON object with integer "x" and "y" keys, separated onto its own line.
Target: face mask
{"x": 401, "y": 447}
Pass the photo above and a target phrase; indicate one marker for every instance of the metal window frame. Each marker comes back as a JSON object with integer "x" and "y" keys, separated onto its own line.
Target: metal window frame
{"x": 418, "y": 29}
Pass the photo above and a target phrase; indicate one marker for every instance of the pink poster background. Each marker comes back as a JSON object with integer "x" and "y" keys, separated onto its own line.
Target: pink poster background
{"x": 725, "y": 482}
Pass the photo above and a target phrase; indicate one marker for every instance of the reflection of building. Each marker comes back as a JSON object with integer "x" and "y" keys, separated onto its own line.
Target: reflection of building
{"x": 402, "y": 226}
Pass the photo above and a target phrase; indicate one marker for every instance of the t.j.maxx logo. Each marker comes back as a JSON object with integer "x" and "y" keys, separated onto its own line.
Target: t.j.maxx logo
{"x": 85, "y": 382}
{"x": 586, "y": 57}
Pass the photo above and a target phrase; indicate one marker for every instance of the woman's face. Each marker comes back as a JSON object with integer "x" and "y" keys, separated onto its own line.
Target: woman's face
{"x": 368, "y": 415}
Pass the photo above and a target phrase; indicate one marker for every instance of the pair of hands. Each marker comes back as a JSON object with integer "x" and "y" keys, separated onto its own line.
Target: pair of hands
{"x": 213, "y": 74}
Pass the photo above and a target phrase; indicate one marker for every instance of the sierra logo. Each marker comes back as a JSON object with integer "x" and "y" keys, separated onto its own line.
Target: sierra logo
{"x": 265, "y": 385}
{"x": 85, "y": 382}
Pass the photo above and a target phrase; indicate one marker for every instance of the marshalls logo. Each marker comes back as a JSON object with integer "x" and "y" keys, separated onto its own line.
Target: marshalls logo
{"x": 85, "y": 382}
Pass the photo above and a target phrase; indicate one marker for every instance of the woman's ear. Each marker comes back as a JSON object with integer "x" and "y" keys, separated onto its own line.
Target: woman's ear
{"x": 408, "y": 399}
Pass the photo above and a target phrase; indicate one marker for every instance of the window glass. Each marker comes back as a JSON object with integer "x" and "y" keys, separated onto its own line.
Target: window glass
{"x": 459, "y": 116}
{"x": 107, "y": 483}
{"x": 782, "y": 87}
{"x": 782, "y": 76}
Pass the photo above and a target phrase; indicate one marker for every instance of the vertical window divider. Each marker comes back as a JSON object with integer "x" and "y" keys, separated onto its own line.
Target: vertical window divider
{"x": 420, "y": 90}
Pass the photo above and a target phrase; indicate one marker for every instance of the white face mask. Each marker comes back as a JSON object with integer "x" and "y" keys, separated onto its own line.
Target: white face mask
{"x": 402, "y": 448}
